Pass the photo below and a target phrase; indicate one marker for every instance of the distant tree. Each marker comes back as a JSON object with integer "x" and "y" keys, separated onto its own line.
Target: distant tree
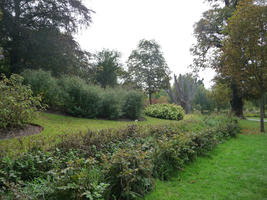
{"x": 107, "y": 68}
{"x": 183, "y": 91}
{"x": 220, "y": 94}
{"x": 147, "y": 67}
{"x": 209, "y": 34}
{"x": 245, "y": 49}
{"x": 203, "y": 100}
{"x": 38, "y": 33}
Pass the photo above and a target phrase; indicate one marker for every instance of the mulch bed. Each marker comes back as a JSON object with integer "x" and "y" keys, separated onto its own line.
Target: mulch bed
{"x": 29, "y": 129}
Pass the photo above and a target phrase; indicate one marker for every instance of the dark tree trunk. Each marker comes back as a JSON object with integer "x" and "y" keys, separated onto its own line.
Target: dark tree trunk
{"x": 262, "y": 112}
{"x": 236, "y": 102}
{"x": 150, "y": 98}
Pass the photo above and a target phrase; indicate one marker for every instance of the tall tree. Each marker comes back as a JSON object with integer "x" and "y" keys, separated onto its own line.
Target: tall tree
{"x": 209, "y": 33}
{"x": 245, "y": 49}
{"x": 32, "y": 32}
{"x": 106, "y": 68}
{"x": 183, "y": 91}
{"x": 221, "y": 94}
{"x": 148, "y": 68}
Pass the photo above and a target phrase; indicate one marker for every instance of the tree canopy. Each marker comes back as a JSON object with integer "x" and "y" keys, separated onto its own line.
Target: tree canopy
{"x": 148, "y": 67}
{"x": 106, "y": 68}
{"x": 244, "y": 51}
{"x": 33, "y": 32}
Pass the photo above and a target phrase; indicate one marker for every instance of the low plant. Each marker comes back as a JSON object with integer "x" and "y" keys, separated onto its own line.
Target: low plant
{"x": 112, "y": 163}
{"x": 165, "y": 111}
{"x": 18, "y": 106}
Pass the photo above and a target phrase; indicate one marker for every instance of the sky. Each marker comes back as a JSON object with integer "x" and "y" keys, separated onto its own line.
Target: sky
{"x": 121, "y": 24}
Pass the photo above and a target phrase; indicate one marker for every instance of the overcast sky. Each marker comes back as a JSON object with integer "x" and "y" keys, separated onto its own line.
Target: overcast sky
{"x": 121, "y": 24}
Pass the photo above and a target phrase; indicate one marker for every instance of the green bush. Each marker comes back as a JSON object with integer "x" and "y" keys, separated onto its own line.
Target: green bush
{"x": 42, "y": 83}
{"x": 133, "y": 104}
{"x": 110, "y": 104}
{"x": 18, "y": 106}
{"x": 80, "y": 99}
{"x": 74, "y": 96}
{"x": 165, "y": 111}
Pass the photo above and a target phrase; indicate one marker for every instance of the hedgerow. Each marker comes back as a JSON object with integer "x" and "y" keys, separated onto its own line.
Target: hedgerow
{"x": 165, "y": 111}
{"x": 113, "y": 163}
{"x": 72, "y": 95}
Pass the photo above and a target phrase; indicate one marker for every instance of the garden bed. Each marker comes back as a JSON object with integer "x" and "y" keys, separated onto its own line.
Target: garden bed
{"x": 29, "y": 129}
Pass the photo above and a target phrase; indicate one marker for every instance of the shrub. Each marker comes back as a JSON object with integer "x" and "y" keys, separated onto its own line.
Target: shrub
{"x": 165, "y": 111}
{"x": 110, "y": 104}
{"x": 80, "y": 99}
{"x": 133, "y": 104}
{"x": 42, "y": 83}
{"x": 18, "y": 106}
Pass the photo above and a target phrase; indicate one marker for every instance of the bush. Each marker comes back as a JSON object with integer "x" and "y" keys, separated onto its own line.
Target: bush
{"x": 113, "y": 163}
{"x": 133, "y": 104}
{"x": 80, "y": 99}
{"x": 74, "y": 96}
{"x": 165, "y": 111}
{"x": 42, "y": 83}
{"x": 110, "y": 104}
{"x": 18, "y": 106}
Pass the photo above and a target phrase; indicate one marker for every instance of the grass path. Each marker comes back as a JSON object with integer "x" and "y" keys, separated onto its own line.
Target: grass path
{"x": 235, "y": 170}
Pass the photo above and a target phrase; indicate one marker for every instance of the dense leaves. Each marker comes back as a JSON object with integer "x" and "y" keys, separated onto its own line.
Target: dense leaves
{"x": 111, "y": 164}
{"x": 38, "y": 34}
{"x": 18, "y": 106}
{"x": 148, "y": 67}
{"x": 165, "y": 111}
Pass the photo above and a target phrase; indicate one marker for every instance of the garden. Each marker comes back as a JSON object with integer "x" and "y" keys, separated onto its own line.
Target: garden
{"x": 83, "y": 125}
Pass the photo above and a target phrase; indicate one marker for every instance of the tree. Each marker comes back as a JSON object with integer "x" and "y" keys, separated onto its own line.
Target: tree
{"x": 220, "y": 94}
{"x": 107, "y": 68}
{"x": 209, "y": 33}
{"x": 245, "y": 50}
{"x": 148, "y": 68}
{"x": 183, "y": 91}
{"x": 38, "y": 33}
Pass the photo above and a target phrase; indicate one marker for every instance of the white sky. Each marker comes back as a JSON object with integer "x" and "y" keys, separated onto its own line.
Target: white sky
{"x": 121, "y": 24}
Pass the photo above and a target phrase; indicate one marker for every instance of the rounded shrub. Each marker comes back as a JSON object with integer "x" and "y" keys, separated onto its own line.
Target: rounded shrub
{"x": 133, "y": 104}
{"x": 80, "y": 99}
{"x": 44, "y": 84}
{"x": 18, "y": 106}
{"x": 165, "y": 111}
{"x": 110, "y": 104}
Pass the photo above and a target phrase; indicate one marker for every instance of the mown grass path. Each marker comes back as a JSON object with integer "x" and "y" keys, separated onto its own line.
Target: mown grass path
{"x": 235, "y": 170}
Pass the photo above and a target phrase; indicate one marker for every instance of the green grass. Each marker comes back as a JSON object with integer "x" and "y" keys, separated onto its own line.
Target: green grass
{"x": 56, "y": 125}
{"x": 235, "y": 170}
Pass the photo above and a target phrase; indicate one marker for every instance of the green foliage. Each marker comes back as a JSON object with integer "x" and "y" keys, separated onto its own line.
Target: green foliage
{"x": 80, "y": 99}
{"x": 44, "y": 84}
{"x": 18, "y": 106}
{"x": 133, "y": 104}
{"x": 112, "y": 163}
{"x": 74, "y": 96}
{"x": 106, "y": 68}
{"x": 165, "y": 111}
{"x": 43, "y": 38}
{"x": 148, "y": 68}
{"x": 203, "y": 100}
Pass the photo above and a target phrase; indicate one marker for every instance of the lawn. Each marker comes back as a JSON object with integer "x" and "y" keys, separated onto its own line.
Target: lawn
{"x": 235, "y": 170}
{"x": 56, "y": 125}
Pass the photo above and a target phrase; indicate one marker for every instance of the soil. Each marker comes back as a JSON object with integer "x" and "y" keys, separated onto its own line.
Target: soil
{"x": 29, "y": 129}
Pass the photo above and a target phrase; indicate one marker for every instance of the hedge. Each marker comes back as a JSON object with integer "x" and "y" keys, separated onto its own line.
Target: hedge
{"x": 72, "y": 95}
{"x": 111, "y": 164}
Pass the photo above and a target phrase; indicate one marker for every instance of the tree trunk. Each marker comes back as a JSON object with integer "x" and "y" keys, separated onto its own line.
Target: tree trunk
{"x": 262, "y": 112}
{"x": 150, "y": 98}
{"x": 236, "y": 102}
